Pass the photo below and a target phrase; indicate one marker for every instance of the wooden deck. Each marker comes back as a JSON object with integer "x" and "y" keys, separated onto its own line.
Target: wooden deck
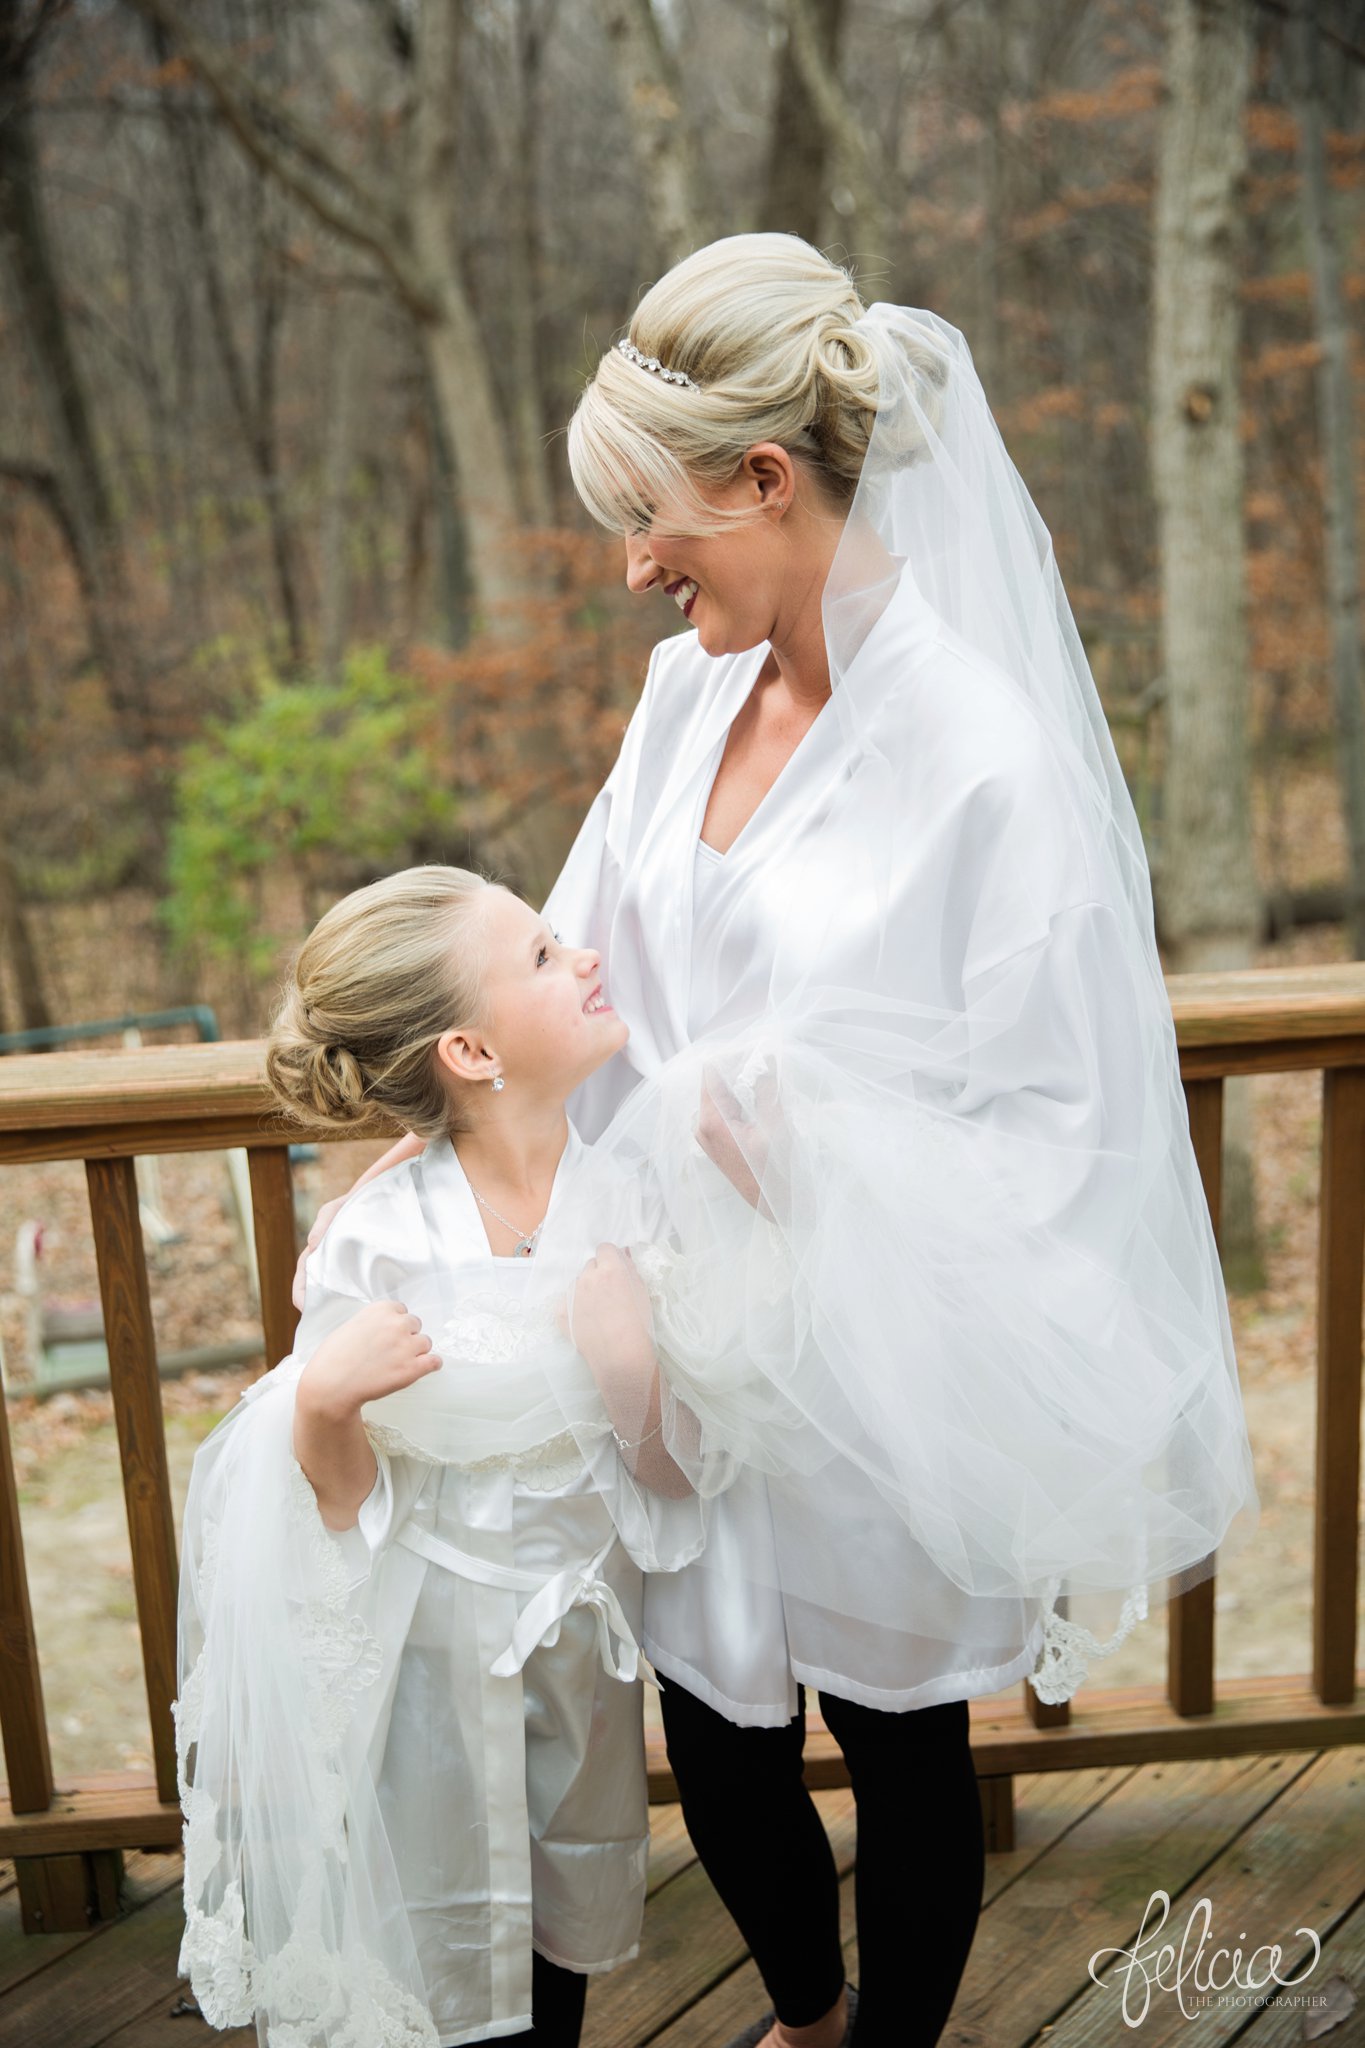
{"x": 1274, "y": 1844}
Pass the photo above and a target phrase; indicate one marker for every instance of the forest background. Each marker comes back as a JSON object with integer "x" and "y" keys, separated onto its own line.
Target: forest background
{"x": 296, "y": 298}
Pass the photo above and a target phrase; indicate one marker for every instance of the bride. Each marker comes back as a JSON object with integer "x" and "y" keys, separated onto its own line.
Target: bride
{"x": 870, "y": 892}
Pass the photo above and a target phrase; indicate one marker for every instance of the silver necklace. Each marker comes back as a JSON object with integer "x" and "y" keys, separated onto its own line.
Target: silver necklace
{"x": 525, "y": 1239}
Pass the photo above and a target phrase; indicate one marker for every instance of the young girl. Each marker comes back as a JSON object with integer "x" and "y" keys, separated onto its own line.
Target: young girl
{"x": 409, "y": 1724}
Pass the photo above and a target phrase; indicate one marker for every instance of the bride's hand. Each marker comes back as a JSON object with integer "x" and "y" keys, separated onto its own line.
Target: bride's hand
{"x": 407, "y": 1148}
{"x": 719, "y": 1119}
{"x": 609, "y": 1318}
{"x": 315, "y": 1236}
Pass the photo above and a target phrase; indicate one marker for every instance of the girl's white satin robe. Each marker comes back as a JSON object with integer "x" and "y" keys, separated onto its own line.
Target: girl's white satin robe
{"x": 514, "y": 1799}
{"x": 689, "y": 945}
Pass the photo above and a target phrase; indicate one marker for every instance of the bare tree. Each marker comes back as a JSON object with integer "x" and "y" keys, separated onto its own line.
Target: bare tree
{"x": 665, "y": 162}
{"x": 796, "y": 193}
{"x": 1336, "y": 441}
{"x": 1210, "y": 902}
{"x": 409, "y": 224}
{"x": 250, "y": 373}
{"x": 75, "y": 486}
{"x": 851, "y": 141}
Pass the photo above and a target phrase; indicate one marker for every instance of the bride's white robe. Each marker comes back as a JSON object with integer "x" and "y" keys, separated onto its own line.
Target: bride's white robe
{"x": 418, "y": 1742}
{"x": 689, "y": 947}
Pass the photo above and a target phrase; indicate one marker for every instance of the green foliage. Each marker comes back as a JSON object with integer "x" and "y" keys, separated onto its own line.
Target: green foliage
{"x": 329, "y": 783}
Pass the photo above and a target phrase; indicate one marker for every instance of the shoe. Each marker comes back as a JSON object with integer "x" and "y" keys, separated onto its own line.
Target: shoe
{"x": 751, "y": 2036}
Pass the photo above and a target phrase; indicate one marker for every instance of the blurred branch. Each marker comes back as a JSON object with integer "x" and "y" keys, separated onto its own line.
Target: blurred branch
{"x": 1286, "y": 12}
{"x": 290, "y": 150}
{"x": 21, "y": 33}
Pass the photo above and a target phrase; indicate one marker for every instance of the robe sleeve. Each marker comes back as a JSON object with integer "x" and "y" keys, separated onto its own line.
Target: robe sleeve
{"x": 352, "y": 1266}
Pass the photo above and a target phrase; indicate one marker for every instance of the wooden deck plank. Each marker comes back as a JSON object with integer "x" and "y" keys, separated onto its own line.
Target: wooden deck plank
{"x": 670, "y": 1847}
{"x": 738, "y": 1998}
{"x": 1090, "y": 1848}
{"x": 161, "y": 2026}
{"x": 687, "y": 1948}
{"x": 1087, "y": 1892}
{"x": 23, "y": 1956}
{"x": 1260, "y": 1889}
{"x": 1047, "y": 1808}
{"x": 128, "y": 1972}
{"x": 1339, "y": 1976}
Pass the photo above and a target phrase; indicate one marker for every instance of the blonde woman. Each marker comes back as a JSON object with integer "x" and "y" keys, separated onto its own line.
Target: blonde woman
{"x": 409, "y": 1718}
{"x": 872, "y": 895}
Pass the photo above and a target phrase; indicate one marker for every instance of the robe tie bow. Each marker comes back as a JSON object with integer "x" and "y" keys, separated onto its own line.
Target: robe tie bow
{"x": 539, "y": 1620}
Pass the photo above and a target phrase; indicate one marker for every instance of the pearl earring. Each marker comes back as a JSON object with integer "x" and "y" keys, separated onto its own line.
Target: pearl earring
{"x": 497, "y": 1082}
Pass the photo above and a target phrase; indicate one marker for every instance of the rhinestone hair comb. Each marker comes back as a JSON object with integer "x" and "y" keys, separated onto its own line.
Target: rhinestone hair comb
{"x": 655, "y": 367}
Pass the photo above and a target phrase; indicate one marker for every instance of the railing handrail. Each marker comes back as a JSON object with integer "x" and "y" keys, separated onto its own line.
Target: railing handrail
{"x": 170, "y": 1084}
{"x": 109, "y": 1108}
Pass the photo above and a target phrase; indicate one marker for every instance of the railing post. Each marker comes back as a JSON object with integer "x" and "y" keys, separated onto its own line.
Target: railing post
{"x": 1189, "y": 1618}
{"x": 1341, "y": 1266}
{"x": 23, "y": 1724}
{"x": 272, "y": 1205}
{"x": 136, "y": 1388}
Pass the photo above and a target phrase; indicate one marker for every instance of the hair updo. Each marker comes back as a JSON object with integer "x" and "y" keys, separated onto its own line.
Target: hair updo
{"x": 377, "y": 982}
{"x": 768, "y": 328}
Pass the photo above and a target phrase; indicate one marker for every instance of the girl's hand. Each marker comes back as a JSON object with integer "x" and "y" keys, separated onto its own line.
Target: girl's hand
{"x": 611, "y": 1313}
{"x": 381, "y": 1349}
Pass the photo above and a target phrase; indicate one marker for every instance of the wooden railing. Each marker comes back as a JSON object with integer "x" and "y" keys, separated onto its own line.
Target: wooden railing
{"x": 107, "y": 1109}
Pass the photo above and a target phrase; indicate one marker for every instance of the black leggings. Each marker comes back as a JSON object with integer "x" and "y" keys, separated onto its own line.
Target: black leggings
{"x": 557, "y": 1997}
{"x": 921, "y": 1859}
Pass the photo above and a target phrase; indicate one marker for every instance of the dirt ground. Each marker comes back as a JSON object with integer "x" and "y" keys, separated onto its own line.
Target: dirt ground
{"x": 66, "y": 1452}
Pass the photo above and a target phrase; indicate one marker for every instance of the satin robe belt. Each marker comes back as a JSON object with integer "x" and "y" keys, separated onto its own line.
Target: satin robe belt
{"x": 538, "y": 1622}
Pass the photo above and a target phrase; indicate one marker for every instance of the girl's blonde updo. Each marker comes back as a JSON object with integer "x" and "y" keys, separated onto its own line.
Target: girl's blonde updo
{"x": 376, "y": 983}
{"x": 767, "y": 328}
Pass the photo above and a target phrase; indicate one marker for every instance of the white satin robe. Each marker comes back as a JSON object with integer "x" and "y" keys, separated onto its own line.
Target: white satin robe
{"x": 688, "y": 945}
{"x": 490, "y": 1600}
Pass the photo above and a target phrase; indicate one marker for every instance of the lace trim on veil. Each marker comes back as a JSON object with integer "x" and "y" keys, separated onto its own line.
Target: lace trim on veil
{"x": 1069, "y": 1649}
{"x": 316, "y": 1997}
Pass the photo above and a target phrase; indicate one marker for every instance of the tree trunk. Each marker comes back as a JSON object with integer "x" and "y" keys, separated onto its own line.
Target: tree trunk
{"x": 1336, "y": 440}
{"x": 796, "y": 193}
{"x": 853, "y": 146}
{"x": 409, "y": 224}
{"x": 93, "y": 528}
{"x": 1210, "y": 908}
{"x": 461, "y": 375}
{"x": 336, "y": 473}
{"x": 524, "y": 268}
{"x": 34, "y": 1014}
{"x": 665, "y": 164}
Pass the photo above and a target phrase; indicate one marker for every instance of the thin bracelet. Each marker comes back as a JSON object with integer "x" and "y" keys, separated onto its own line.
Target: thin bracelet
{"x": 622, "y": 1445}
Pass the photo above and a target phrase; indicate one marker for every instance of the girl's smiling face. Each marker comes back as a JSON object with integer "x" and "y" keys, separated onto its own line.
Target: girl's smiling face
{"x": 546, "y": 1021}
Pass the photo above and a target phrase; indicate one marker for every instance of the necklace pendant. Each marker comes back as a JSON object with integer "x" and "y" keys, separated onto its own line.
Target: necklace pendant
{"x": 525, "y": 1246}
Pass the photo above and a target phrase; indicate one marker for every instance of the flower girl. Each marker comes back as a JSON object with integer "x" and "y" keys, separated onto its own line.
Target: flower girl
{"x": 409, "y": 1718}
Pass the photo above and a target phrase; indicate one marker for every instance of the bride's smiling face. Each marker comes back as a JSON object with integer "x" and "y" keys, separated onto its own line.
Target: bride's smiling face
{"x": 739, "y": 585}
{"x": 546, "y": 1021}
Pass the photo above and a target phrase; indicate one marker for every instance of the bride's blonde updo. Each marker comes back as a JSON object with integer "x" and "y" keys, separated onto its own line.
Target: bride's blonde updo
{"x": 767, "y": 328}
{"x": 379, "y": 979}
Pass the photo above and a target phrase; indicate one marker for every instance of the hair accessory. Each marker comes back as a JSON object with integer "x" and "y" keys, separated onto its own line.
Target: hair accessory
{"x": 498, "y": 1083}
{"x": 654, "y": 366}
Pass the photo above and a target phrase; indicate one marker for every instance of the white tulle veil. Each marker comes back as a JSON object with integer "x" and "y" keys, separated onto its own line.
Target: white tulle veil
{"x": 976, "y": 1326}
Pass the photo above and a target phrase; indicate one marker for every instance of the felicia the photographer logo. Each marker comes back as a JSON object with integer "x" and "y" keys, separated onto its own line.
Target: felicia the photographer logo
{"x": 1198, "y": 1974}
